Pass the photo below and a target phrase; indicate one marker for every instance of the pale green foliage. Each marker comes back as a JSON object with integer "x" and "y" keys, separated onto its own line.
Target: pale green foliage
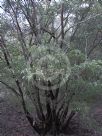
{"x": 48, "y": 62}
{"x": 76, "y": 57}
{"x": 92, "y": 70}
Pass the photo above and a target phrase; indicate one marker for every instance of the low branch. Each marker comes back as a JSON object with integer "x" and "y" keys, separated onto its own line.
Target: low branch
{"x": 11, "y": 88}
{"x": 2, "y": 45}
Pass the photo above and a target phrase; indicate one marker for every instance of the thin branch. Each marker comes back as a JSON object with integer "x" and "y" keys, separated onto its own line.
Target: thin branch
{"x": 31, "y": 18}
{"x": 11, "y": 88}
{"x": 17, "y": 83}
{"x": 84, "y": 21}
{"x": 95, "y": 45}
{"x": 48, "y": 31}
{"x": 62, "y": 25}
{"x": 20, "y": 34}
{"x": 84, "y": 15}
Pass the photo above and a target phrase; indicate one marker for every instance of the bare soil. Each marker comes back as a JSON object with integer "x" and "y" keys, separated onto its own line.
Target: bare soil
{"x": 13, "y": 121}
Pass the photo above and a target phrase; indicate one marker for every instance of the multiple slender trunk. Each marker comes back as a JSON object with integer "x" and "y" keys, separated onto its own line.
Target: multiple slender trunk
{"x": 55, "y": 118}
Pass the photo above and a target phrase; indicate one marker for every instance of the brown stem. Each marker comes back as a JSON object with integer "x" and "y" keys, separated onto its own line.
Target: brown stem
{"x": 62, "y": 25}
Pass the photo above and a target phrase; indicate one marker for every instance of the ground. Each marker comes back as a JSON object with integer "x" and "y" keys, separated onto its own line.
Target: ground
{"x": 14, "y": 123}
